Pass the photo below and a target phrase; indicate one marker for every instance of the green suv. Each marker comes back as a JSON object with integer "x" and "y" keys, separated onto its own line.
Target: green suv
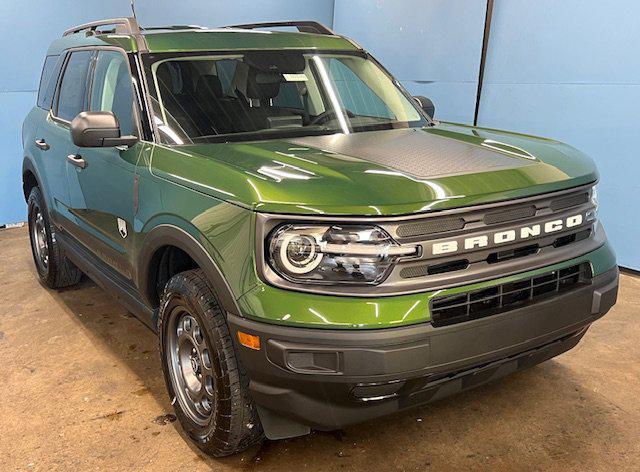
{"x": 312, "y": 248}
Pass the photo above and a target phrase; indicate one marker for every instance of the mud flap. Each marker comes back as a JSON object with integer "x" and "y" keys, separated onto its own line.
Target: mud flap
{"x": 276, "y": 427}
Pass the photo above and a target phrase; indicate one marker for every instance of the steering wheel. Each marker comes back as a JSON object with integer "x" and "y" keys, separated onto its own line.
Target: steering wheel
{"x": 328, "y": 115}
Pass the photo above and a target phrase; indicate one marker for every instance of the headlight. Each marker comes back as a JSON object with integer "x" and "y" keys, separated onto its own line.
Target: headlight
{"x": 592, "y": 215}
{"x": 334, "y": 254}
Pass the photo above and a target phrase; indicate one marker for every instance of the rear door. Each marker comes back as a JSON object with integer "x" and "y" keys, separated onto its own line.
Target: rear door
{"x": 101, "y": 180}
{"x": 53, "y": 136}
{"x": 34, "y": 143}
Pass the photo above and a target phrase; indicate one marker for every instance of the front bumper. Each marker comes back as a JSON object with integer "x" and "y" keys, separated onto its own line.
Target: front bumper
{"x": 327, "y": 379}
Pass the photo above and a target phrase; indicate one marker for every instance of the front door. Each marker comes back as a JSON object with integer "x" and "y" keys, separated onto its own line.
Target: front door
{"x": 101, "y": 180}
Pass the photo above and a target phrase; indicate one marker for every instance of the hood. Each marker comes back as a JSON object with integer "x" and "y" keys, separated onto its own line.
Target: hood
{"x": 390, "y": 172}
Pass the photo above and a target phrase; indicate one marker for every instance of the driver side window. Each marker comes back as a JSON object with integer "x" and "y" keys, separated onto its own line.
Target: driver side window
{"x": 112, "y": 89}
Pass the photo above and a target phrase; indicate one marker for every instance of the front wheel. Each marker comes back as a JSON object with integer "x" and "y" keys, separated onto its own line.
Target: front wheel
{"x": 207, "y": 387}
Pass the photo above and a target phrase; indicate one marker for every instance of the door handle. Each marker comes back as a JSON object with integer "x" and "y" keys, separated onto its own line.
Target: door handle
{"x": 42, "y": 144}
{"x": 77, "y": 160}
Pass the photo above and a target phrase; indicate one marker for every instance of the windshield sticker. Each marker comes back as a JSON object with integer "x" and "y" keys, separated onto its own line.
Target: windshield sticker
{"x": 295, "y": 77}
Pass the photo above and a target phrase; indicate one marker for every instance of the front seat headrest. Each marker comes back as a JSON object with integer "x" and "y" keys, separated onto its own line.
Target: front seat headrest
{"x": 263, "y": 85}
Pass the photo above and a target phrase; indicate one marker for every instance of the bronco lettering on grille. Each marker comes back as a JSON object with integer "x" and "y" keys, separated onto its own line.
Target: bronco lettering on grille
{"x": 507, "y": 236}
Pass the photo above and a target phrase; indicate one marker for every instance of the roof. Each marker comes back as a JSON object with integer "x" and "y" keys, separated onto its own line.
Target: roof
{"x": 238, "y": 39}
{"x": 130, "y": 37}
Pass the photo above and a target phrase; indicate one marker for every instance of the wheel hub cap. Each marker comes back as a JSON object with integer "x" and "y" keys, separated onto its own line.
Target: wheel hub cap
{"x": 39, "y": 236}
{"x": 195, "y": 364}
{"x": 190, "y": 363}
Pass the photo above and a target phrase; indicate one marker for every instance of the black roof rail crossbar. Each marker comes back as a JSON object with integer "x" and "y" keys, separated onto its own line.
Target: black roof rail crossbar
{"x": 303, "y": 26}
{"x": 122, "y": 25}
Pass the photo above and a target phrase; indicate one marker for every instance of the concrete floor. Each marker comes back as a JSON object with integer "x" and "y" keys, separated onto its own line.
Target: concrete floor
{"x": 82, "y": 389}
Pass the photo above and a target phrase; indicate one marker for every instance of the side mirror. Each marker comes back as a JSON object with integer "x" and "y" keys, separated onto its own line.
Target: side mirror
{"x": 98, "y": 129}
{"x": 426, "y": 104}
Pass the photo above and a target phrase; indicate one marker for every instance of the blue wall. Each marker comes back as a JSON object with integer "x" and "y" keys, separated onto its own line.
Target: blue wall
{"x": 567, "y": 69}
{"x": 433, "y": 46}
{"x": 24, "y": 47}
{"x": 21, "y": 64}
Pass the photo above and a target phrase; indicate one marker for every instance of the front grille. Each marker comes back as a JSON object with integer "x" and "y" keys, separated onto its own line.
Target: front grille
{"x": 492, "y": 257}
{"x": 452, "y": 309}
{"x": 422, "y": 270}
{"x": 517, "y": 213}
{"x": 474, "y": 219}
{"x": 432, "y": 226}
{"x": 570, "y": 201}
{"x": 522, "y": 251}
{"x": 572, "y": 238}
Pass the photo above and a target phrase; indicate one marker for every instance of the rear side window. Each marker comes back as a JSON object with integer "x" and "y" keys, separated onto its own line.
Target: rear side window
{"x": 73, "y": 88}
{"x": 48, "y": 79}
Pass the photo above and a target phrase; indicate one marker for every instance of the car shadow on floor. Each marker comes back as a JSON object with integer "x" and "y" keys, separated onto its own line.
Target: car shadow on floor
{"x": 541, "y": 414}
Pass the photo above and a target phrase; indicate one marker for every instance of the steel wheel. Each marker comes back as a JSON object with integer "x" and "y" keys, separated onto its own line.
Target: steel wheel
{"x": 189, "y": 359}
{"x": 39, "y": 239}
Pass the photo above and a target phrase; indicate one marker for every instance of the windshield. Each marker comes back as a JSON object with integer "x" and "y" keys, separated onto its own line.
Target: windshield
{"x": 272, "y": 94}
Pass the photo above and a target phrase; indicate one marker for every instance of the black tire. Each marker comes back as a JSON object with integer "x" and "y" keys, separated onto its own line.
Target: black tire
{"x": 196, "y": 346}
{"x": 54, "y": 269}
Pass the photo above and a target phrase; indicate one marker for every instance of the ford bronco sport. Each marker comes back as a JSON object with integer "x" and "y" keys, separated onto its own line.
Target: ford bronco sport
{"x": 311, "y": 246}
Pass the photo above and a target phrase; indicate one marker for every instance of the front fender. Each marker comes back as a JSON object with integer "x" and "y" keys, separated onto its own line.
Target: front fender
{"x": 197, "y": 247}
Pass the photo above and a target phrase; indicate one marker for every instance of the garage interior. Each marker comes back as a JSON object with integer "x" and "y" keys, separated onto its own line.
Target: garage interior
{"x": 83, "y": 389}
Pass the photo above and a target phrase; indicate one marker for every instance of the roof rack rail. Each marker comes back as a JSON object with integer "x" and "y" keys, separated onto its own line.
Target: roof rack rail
{"x": 122, "y": 26}
{"x": 174, "y": 27}
{"x": 303, "y": 26}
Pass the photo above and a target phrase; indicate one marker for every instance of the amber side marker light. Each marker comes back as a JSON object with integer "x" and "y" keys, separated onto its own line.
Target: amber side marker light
{"x": 249, "y": 340}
